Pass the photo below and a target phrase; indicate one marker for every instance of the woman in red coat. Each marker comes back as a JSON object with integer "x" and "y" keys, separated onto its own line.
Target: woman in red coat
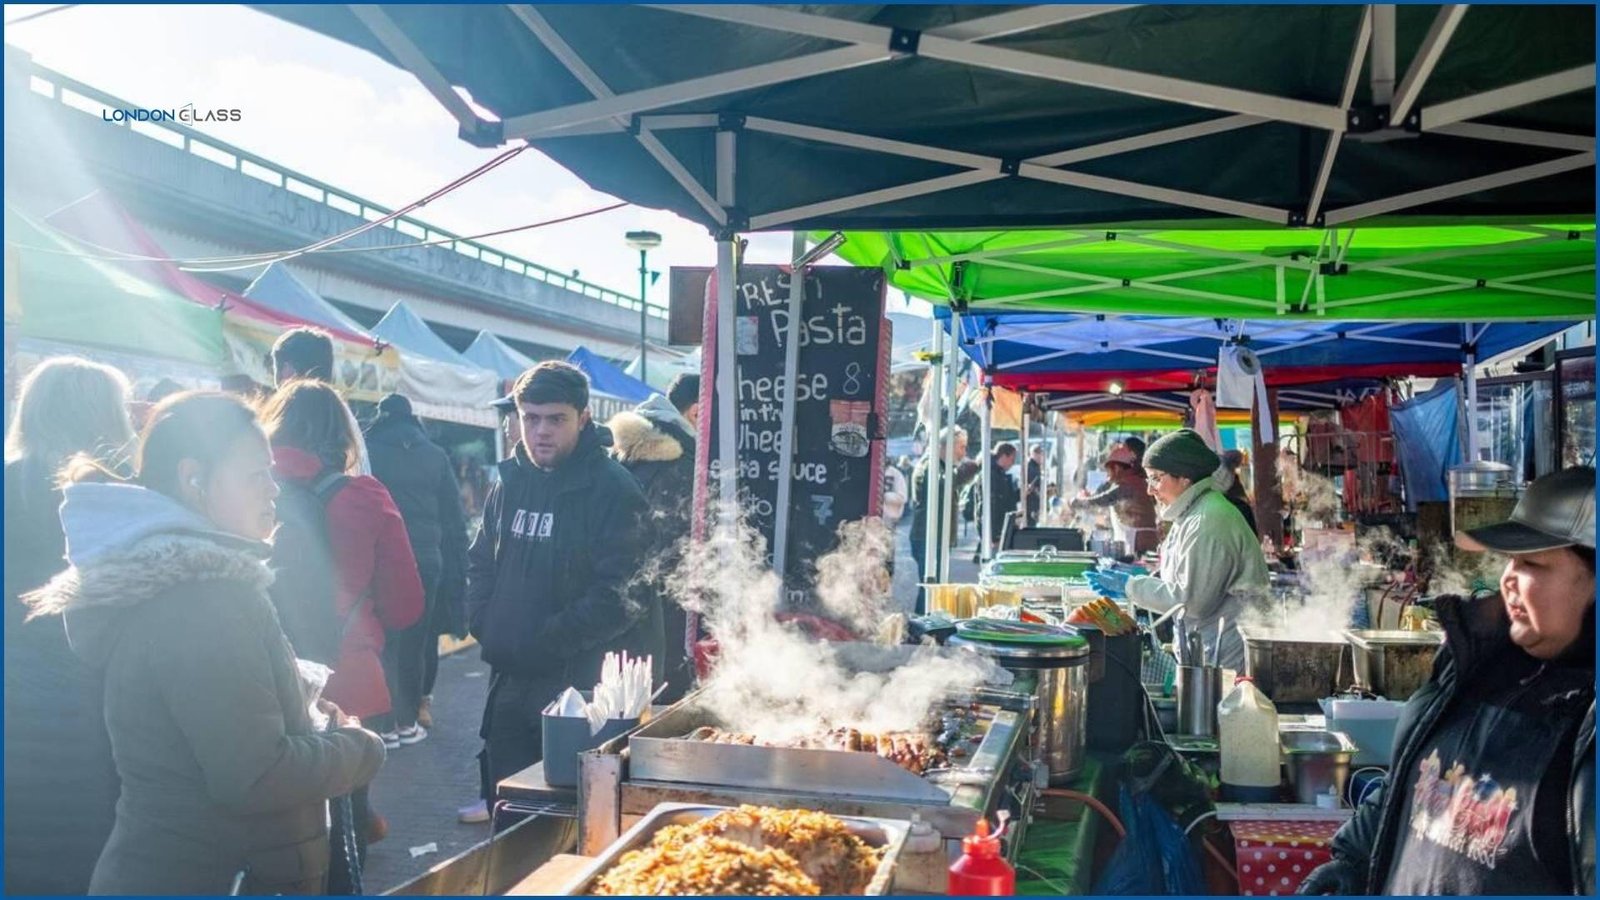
{"x": 375, "y": 573}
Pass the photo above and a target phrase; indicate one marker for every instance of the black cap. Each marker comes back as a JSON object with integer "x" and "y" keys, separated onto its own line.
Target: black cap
{"x": 1557, "y": 511}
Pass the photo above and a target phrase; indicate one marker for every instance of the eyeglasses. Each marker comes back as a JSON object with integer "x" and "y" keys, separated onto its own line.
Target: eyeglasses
{"x": 1154, "y": 478}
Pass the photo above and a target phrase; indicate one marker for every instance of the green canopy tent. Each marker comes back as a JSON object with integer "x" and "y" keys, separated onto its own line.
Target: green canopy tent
{"x": 1456, "y": 273}
{"x": 64, "y": 296}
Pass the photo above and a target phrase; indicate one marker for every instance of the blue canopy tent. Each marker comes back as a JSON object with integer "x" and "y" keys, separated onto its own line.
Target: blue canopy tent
{"x": 488, "y": 351}
{"x": 607, "y": 379}
{"x": 1058, "y": 351}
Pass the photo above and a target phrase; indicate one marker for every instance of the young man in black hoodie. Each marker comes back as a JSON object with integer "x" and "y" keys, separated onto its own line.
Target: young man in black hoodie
{"x": 548, "y": 575}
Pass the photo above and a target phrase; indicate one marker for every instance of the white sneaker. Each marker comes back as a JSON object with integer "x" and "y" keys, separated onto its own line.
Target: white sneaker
{"x": 411, "y": 735}
{"x": 391, "y": 740}
{"x": 476, "y": 814}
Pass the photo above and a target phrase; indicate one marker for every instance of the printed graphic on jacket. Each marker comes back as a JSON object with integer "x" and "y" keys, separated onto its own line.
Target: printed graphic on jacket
{"x": 532, "y": 526}
{"x": 1464, "y": 813}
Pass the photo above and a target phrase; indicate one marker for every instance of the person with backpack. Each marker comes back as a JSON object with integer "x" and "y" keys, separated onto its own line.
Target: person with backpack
{"x": 422, "y": 482}
{"x": 225, "y": 780}
{"x": 376, "y": 586}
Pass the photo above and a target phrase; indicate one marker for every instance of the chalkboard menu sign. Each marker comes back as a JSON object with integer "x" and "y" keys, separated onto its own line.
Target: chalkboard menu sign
{"x": 841, "y": 392}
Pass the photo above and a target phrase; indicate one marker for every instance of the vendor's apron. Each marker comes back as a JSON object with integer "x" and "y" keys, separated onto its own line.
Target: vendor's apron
{"x": 1467, "y": 823}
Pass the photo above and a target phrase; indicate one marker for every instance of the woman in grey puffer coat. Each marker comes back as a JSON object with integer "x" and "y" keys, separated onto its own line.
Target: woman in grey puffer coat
{"x": 222, "y": 772}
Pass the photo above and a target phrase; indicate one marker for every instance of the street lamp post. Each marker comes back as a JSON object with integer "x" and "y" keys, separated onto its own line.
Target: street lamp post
{"x": 644, "y": 242}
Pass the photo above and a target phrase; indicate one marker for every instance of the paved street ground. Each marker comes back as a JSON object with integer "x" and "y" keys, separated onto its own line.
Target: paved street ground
{"x": 421, "y": 786}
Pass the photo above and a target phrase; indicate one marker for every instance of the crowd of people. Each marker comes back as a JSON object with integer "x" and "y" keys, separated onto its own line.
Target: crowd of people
{"x": 223, "y": 612}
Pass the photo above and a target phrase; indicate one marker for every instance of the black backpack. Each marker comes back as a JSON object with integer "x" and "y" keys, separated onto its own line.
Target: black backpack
{"x": 304, "y": 588}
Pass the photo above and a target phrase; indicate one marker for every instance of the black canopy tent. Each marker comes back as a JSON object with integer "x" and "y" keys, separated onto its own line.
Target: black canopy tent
{"x": 921, "y": 117}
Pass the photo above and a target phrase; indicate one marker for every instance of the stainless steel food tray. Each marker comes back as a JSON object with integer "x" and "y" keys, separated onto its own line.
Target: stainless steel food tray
{"x": 875, "y": 833}
{"x": 659, "y": 753}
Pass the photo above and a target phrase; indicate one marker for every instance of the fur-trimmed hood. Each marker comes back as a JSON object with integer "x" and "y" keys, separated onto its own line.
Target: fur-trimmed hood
{"x": 637, "y": 439}
{"x": 128, "y": 545}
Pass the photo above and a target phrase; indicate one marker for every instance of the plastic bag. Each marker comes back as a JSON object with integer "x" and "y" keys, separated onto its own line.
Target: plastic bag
{"x": 1154, "y": 858}
{"x": 313, "y": 679}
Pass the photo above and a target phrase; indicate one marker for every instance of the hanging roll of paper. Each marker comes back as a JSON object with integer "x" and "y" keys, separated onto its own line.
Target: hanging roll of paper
{"x": 1241, "y": 384}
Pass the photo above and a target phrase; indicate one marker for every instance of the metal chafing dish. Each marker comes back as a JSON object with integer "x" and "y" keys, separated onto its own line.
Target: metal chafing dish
{"x": 626, "y": 778}
{"x": 874, "y": 832}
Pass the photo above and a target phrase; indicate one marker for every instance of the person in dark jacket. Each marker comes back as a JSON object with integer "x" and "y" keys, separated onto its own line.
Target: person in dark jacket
{"x": 422, "y": 482}
{"x": 60, "y": 781}
{"x": 1492, "y": 785}
{"x": 225, "y": 781}
{"x": 1127, "y": 495}
{"x": 547, "y": 575}
{"x": 654, "y": 443}
{"x": 1006, "y": 493}
{"x": 1035, "y": 471}
{"x": 964, "y": 471}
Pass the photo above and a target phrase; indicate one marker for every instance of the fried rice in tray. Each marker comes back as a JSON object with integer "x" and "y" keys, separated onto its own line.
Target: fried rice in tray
{"x": 751, "y": 850}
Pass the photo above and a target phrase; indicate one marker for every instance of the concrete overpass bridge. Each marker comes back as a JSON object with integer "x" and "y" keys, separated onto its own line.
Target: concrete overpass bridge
{"x": 202, "y": 197}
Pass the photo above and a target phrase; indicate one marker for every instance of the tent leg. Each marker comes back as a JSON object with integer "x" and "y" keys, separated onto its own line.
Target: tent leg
{"x": 1469, "y": 372}
{"x": 791, "y": 369}
{"x": 931, "y": 490}
{"x": 986, "y": 528}
{"x": 1022, "y": 455}
{"x": 727, "y": 359}
{"x": 948, "y": 487}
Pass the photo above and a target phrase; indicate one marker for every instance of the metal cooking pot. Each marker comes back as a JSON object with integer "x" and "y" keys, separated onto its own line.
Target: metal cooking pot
{"x": 1295, "y": 671}
{"x": 1393, "y": 664}
{"x": 1059, "y": 673}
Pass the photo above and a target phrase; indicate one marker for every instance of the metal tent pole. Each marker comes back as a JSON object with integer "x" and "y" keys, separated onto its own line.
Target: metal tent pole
{"x": 727, "y": 383}
{"x": 791, "y": 370}
{"x": 1470, "y": 377}
{"x": 1022, "y": 495}
{"x": 987, "y": 529}
{"x": 948, "y": 487}
{"x": 931, "y": 491}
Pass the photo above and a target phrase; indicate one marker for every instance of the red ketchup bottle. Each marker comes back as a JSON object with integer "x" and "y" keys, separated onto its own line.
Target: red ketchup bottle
{"x": 982, "y": 870}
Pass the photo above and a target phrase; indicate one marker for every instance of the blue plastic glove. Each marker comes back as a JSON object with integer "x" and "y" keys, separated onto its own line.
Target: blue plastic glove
{"x": 1108, "y": 583}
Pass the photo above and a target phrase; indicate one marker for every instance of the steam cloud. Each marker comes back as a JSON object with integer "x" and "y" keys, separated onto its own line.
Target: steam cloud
{"x": 771, "y": 679}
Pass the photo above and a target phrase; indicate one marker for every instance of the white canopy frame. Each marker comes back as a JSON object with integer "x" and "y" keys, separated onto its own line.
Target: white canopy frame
{"x": 963, "y": 43}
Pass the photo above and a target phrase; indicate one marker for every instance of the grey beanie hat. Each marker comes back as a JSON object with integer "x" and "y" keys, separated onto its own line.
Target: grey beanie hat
{"x": 1184, "y": 454}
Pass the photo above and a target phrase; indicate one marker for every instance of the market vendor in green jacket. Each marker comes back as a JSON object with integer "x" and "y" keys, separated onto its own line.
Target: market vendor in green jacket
{"x": 1211, "y": 562}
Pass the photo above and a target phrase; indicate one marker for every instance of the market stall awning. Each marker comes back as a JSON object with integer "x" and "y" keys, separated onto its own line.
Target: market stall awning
{"x": 488, "y": 351}
{"x": 441, "y": 383}
{"x": 945, "y": 116}
{"x": 61, "y": 294}
{"x": 277, "y": 287}
{"x": 1293, "y": 399}
{"x": 1088, "y": 352}
{"x": 607, "y": 379}
{"x": 1459, "y": 273}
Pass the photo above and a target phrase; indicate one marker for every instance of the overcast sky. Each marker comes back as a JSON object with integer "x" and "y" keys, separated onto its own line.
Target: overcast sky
{"x": 342, "y": 116}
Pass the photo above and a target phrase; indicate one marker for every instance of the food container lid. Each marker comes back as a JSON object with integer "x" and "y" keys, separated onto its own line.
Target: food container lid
{"x": 1020, "y": 640}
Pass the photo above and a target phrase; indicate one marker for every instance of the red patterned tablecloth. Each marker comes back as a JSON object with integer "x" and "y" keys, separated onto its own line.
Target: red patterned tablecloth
{"x": 1274, "y": 857}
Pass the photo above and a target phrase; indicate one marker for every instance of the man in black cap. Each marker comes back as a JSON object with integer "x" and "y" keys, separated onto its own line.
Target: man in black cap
{"x": 1492, "y": 785}
{"x": 422, "y": 482}
{"x": 1211, "y": 562}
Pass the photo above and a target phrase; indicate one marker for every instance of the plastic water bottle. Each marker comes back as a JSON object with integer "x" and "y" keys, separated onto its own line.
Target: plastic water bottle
{"x": 1248, "y": 726}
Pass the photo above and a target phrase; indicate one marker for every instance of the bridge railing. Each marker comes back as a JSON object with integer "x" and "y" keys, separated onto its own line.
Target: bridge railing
{"x": 91, "y": 100}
